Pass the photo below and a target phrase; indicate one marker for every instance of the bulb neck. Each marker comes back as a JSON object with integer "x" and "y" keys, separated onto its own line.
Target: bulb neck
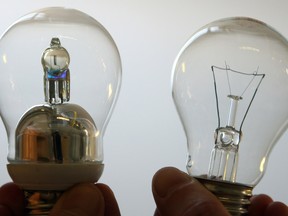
{"x": 235, "y": 197}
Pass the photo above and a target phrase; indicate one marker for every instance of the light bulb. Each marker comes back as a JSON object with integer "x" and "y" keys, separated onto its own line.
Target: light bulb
{"x": 230, "y": 88}
{"x": 60, "y": 78}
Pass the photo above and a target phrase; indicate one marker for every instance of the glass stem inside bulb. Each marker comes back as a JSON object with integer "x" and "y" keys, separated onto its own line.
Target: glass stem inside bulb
{"x": 223, "y": 164}
{"x": 233, "y": 109}
{"x": 224, "y": 156}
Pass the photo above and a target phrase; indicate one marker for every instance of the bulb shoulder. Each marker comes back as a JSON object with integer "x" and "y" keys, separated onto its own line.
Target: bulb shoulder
{"x": 63, "y": 118}
{"x": 59, "y": 111}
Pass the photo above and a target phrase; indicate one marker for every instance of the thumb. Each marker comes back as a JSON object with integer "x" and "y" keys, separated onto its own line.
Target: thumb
{"x": 176, "y": 193}
{"x": 80, "y": 200}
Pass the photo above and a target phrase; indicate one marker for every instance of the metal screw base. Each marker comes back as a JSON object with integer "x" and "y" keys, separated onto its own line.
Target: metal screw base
{"x": 235, "y": 197}
{"x": 40, "y": 202}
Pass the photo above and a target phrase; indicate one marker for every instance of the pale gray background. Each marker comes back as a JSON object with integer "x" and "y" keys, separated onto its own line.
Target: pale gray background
{"x": 145, "y": 133}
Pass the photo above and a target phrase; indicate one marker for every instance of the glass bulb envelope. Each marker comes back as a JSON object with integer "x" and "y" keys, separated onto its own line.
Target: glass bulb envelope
{"x": 60, "y": 78}
{"x": 230, "y": 88}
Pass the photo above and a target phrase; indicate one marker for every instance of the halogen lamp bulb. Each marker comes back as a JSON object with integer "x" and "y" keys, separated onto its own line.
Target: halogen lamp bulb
{"x": 55, "y": 62}
{"x": 230, "y": 88}
{"x": 55, "y": 114}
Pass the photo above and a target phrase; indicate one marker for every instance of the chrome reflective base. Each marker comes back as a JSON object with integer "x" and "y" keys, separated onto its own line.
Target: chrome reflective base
{"x": 40, "y": 202}
{"x": 235, "y": 197}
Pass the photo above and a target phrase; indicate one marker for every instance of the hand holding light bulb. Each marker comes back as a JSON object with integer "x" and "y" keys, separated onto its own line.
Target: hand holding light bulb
{"x": 174, "y": 192}
{"x": 105, "y": 67}
{"x": 83, "y": 199}
{"x": 177, "y": 193}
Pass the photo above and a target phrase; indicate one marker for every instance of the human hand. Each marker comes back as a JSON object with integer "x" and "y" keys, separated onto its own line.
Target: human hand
{"x": 81, "y": 200}
{"x": 177, "y": 194}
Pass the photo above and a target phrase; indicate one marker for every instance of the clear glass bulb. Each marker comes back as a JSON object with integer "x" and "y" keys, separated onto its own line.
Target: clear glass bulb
{"x": 60, "y": 78}
{"x": 230, "y": 88}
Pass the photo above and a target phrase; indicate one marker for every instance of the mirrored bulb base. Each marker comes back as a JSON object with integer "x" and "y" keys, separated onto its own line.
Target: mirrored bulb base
{"x": 235, "y": 197}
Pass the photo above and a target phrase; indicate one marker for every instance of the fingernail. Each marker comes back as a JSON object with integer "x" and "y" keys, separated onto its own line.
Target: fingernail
{"x": 169, "y": 179}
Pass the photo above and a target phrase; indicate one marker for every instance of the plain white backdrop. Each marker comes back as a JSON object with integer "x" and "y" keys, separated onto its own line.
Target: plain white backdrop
{"x": 145, "y": 133}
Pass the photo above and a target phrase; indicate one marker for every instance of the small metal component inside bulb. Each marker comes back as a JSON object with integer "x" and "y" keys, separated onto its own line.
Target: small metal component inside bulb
{"x": 55, "y": 61}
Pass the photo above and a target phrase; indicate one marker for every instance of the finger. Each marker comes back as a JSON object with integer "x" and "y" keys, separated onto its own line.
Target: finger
{"x": 80, "y": 200}
{"x": 276, "y": 208}
{"x": 157, "y": 213}
{"x": 5, "y": 211}
{"x": 259, "y": 204}
{"x": 111, "y": 205}
{"x": 11, "y": 200}
{"x": 176, "y": 193}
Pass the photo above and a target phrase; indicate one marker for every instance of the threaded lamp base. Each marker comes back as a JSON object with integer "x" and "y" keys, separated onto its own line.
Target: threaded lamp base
{"x": 234, "y": 196}
{"x": 40, "y": 202}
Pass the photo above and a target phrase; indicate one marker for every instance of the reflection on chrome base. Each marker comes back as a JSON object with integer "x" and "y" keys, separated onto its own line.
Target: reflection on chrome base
{"x": 40, "y": 202}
